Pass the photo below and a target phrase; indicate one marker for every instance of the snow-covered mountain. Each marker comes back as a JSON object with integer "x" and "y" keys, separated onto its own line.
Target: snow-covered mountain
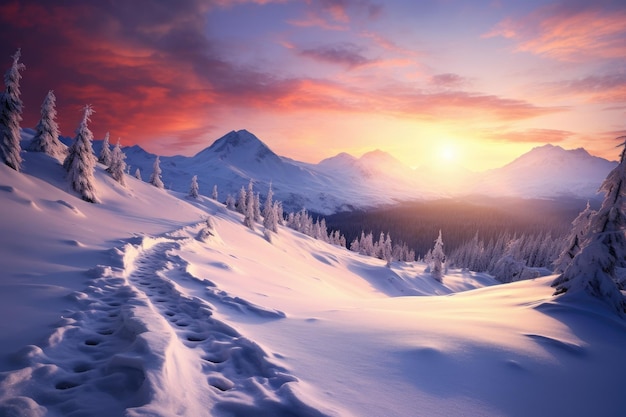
{"x": 141, "y": 306}
{"x": 340, "y": 183}
{"x": 547, "y": 171}
{"x": 344, "y": 182}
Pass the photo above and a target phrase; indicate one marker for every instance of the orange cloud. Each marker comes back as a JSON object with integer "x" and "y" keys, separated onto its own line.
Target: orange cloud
{"x": 528, "y": 135}
{"x": 566, "y": 33}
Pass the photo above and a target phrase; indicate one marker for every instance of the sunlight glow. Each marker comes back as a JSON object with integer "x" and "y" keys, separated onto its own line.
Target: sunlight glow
{"x": 448, "y": 153}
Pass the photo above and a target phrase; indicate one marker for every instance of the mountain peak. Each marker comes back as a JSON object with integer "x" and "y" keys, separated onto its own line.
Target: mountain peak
{"x": 241, "y": 145}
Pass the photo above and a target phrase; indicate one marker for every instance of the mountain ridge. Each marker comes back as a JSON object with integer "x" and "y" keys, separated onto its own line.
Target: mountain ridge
{"x": 345, "y": 182}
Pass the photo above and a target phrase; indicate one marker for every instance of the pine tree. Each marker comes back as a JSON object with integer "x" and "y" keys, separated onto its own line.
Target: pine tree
{"x": 388, "y": 250}
{"x": 105, "y": 153}
{"x": 47, "y": 137}
{"x": 230, "y": 202}
{"x": 117, "y": 167}
{"x": 248, "y": 219}
{"x": 257, "y": 207}
{"x": 438, "y": 259}
{"x": 11, "y": 115}
{"x": 214, "y": 194}
{"x": 138, "y": 174}
{"x": 194, "y": 189}
{"x": 155, "y": 178}
{"x": 270, "y": 222}
{"x": 241, "y": 201}
{"x": 580, "y": 227}
{"x": 80, "y": 163}
{"x": 593, "y": 269}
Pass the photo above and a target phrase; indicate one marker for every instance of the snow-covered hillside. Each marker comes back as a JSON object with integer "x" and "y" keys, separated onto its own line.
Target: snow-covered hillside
{"x": 344, "y": 182}
{"x": 141, "y": 306}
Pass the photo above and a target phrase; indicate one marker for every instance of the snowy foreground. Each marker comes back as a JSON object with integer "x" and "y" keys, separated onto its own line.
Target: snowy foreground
{"x": 137, "y": 307}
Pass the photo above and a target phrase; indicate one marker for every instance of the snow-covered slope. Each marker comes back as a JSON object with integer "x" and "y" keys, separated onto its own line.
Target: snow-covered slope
{"x": 547, "y": 171}
{"x": 140, "y": 306}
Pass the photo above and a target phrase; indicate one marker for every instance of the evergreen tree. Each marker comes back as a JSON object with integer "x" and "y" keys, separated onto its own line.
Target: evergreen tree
{"x": 80, "y": 163}
{"x": 11, "y": 115}
{"x": 593, "y": 269}
{"x": 194, "y": 189}
{"x": 270, "y": 222}
{"x": 388, "y": 250}
{"x": 241, "y": 201}
{"x": 138, "y": 174}
{"x": 105, "y": 152}
{"x": 279, "y": 212}
{"x": 117, "y": 167}
{"x": 248, "y": 219}
{"x": 438, "y": 259}
{"x": 257, "y": 207}
{"x": 47, "y": 137}
{"x": 230, "y": 202}
{"x": 214, "y": 194}
{"x": 580, "y": 227}
{"x": 155, "y": 178}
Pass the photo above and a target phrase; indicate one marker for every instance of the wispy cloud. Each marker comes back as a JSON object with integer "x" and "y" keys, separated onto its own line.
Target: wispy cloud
{"x": 601, "y": 88}
{"x": 346, "y": 54}
{"x": 527, "y": 135}
{"x": 448, "y": 80}
{"x": 569, "y": 31}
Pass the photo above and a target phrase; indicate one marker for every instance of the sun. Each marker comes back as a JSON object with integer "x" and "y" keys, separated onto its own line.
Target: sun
{"x": 448, "y": 153}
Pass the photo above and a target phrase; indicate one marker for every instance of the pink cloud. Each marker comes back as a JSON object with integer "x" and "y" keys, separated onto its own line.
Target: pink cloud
{"x": 567, "y": 33}
{"x": 528, "y": 135}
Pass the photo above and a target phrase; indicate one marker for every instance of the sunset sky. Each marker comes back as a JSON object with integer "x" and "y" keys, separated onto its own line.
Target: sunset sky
{"x": 473, "y": 82}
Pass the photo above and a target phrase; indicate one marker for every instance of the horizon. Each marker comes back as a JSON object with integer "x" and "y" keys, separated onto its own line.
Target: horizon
{"x": 453, "y": 84}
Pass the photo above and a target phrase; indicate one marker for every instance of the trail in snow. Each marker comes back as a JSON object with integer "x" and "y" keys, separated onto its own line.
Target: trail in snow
{"x": 139, "y": 344}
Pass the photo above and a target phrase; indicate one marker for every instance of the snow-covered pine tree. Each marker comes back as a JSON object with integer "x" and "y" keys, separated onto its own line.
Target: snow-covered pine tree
{"x": 81, "y": 162}
{"x": 257, "y": 207}
{"x": 248, "y": 219}
{"x": 11, "y": 115}
{"x": 270, "y": 222}
{"x": 580, "y": 227}
{"x": 47, "y": 131}
{"x": 230, "y": 202}
{"x": 117, "y": 166}
{"x": 593, "y": 269}
{"x": 193, "y": 188}
{"x": 155, "y": 177}
{"x": 138, "y": 174}
{"x": 388, "y": 250}
{"x": 438, "y": 259}
{"x": 241, "y": 201}
{"x": 105, "y": 152}
{"x": 214, "y": 194}
{"x": 278, "y": 205}
{"x": 354, "y": 245}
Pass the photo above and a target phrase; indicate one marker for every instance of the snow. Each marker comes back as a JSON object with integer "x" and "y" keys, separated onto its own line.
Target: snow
{"x": 344, "y": 182}
{"x": 137, "y": 306}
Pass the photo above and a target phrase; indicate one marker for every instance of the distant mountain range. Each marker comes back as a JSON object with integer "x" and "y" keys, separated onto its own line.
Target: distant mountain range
{"x": 344, "y": 182}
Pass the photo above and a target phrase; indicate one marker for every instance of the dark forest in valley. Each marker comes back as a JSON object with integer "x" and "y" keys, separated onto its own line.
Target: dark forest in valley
{"x": 418, "y": 223}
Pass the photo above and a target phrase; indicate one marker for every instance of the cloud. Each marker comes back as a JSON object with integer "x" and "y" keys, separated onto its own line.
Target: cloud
{"x": 337, "y": 14}
{"x": 528, "y": 135}
{"x": 152, "y": 73}
{"x": 448, "y": 80}
{"x": 346, "y": 54}
{"x": 605, "y": 88}
{"x": 569, "y": 31}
